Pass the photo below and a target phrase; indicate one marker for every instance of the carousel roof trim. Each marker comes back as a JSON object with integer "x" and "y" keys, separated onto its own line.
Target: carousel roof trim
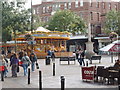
{"x": 79, "y": 37}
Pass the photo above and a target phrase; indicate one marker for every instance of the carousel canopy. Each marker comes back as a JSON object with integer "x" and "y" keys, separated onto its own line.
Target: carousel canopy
{"x": 41, "y": 29}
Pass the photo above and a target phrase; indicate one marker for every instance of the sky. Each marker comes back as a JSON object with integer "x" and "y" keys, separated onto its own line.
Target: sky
{"x": 28, "y": 4}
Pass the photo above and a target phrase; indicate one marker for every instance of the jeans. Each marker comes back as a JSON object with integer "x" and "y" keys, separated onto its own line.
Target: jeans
{"x": 25, "y": 66}
{"x": 81, "y": 60}
{"x": 33, "y": 66}
{"x": 14, "y": 70}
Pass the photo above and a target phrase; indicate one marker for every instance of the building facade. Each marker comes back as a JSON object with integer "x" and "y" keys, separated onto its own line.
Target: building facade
{"x": 91, "y": 12}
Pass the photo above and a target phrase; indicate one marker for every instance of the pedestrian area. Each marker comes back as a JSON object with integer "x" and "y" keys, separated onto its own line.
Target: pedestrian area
{"x": 72, "y": 74}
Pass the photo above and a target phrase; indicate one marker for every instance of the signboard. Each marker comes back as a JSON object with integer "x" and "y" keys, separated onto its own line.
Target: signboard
{"x": 88, "y": 73}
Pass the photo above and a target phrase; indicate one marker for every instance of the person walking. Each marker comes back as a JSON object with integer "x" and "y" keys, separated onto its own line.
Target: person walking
{"x": 82, "y": 55}
{"x": 14, "y": 63}
{"x": 25, "y": 63}
{"x": 21, "y": 54}
{"x": 33, "y": 59}
{"x": 5, "y": 64}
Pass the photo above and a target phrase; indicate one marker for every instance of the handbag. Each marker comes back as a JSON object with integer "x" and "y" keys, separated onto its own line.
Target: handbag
{"x": 37, "y": 66}
{"x": 18, "y": 69}
{"x": 20, "y": 63}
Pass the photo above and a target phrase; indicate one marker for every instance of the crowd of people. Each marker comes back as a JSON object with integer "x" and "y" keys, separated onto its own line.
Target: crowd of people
{"x": 15, "y": 60}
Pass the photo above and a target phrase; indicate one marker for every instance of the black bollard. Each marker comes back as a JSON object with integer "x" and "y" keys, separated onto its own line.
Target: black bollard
{"x": 119, "y": 80}
{"x": 53, "y": 69}
{"x": 28, "y": 75}
{"x": 2, "y": 76}
{"x": 87, "y": 63}
{"x": 40, "y": 81}
{"x": 62, "y": 83}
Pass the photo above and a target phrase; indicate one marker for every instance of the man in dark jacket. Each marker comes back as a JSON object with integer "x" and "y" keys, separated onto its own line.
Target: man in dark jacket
{"x": 33, "y": 59}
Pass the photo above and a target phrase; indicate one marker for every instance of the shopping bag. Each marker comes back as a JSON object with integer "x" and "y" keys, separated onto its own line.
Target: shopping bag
{"x": 18, "y": 69}
{"x": 37, "y": 66}
{"x": 20, "y": 63}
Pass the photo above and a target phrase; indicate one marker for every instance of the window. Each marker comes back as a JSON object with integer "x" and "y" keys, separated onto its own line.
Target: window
{"x": 37, "y": 10}
{"x": 81, "y": 3}
{"x": 103, "y": 5}
{"x": 91, "y": 3}
{"x": 65, "y": 6}
{"x": 47, "y": 9}
{"x": 97, "y": 4}
{"x": 110, "y": 6}
{"x": 91, "y": 15}
{"x": 76, "y": 3}
{"x": 116, "y": 7}
{"x": 69, "y": 5}
{"x": 53, "y": 7}
{"x": 34, "y": 11}
{"x": 98, "y": 16}
{"x": 43, "y": 9}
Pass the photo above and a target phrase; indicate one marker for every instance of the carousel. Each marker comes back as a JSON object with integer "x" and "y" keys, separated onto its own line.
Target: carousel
{"x": 43, "y": 40}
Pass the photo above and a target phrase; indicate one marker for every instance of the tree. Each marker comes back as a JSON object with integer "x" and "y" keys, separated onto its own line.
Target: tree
{"x": 66, "y": 20}
{"x": 13, "y": 20}
{"x": 112, "y": 22}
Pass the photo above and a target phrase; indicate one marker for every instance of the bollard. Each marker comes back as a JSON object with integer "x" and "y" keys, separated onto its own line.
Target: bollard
{"x": 28, "y": 75}
{"x": 40, "y": 81}
{"x": 87, "y": 63}
{"x": 2, "y": 76}
{"x": 119, "y": 81}
{"x": 62, "y": 83}
{"x": 53, "y": 69}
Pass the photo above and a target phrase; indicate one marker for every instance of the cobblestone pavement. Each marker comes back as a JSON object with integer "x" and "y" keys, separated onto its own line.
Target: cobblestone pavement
{"x": 72, "y": 74}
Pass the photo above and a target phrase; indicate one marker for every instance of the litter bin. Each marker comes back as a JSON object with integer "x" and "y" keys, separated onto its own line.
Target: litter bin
{"x": 47, "y": 61}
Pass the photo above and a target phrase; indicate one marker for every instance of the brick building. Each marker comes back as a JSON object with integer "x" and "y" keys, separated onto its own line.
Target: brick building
{"x": 91, "y": 12}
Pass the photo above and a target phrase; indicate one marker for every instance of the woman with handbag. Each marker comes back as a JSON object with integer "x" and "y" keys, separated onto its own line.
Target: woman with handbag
{"x": 25, "y": 63}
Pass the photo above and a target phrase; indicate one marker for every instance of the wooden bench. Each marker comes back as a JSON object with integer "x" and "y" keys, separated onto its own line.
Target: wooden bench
{"x": 68, "y": 59}
{"x": 95, "y": 58}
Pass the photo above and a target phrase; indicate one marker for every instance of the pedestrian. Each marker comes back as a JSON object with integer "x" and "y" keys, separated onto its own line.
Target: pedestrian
{"x": 52, "y": 55}
{"x": 21, "y": 53}
{"x": 14, "y": 63}
{"x": 33, "y": 59}
{"x": 5, "y": 64}
{"x": 25, "y": 63}
{"x": 82, "y": 55}
{"x": 49, "y": 53}
{"x": 81, "y": 59}
{"x": 77, "y": 53}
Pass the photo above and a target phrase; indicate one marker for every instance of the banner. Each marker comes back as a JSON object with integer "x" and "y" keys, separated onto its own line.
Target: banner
{"x": 88, "y": 73}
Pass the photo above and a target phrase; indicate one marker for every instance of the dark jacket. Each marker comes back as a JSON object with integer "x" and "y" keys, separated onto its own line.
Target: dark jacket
{"x": 33, "y": 57}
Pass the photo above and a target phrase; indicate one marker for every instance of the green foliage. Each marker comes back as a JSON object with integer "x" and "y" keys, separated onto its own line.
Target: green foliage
{"x": 65, "y": 20}
{"x": 36, "y": 22}
{"x": 15, "y": 20}
{"x": 112, "y": 23}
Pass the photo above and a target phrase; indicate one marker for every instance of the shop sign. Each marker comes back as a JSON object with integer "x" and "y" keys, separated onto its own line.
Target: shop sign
{"x": 88, "y": 73}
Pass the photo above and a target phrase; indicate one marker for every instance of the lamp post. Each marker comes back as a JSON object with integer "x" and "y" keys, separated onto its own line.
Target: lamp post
{"x": 111, "y": 39}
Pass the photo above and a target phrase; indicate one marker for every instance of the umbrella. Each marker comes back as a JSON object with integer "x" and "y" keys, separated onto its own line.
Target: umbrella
{"x": 113, "y": 47}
